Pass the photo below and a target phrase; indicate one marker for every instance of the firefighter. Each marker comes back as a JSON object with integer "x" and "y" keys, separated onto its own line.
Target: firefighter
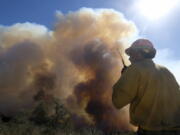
{"x": 151, "y": 90}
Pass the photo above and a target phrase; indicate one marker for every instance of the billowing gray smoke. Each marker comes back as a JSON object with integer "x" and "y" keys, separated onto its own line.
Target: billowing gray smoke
{"x": 98, "y": 61}
{"x": 80, "y": 55}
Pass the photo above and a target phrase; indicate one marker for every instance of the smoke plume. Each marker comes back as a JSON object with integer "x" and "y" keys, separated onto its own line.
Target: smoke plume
{"x": 78, "y": 61}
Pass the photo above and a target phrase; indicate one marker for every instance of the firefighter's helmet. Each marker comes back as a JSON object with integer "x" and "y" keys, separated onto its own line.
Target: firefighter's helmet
{"x": 144, "y": 46}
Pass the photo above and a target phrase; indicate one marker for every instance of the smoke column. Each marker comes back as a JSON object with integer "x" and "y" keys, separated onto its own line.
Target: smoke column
{"x": 80, "y": 55}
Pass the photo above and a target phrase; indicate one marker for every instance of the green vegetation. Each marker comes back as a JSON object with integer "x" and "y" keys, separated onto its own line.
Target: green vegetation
{"x": 39, "y": 122}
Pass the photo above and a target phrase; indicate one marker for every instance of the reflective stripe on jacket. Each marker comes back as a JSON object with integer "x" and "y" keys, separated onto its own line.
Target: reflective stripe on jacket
{"x": 153, "y": 94}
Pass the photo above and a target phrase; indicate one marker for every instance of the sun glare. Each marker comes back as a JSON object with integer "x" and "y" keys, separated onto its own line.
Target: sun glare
{"x": 155, "y": 9}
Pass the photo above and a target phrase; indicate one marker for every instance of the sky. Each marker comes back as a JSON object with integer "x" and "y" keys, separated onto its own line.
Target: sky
{"x": 163, "y": 30}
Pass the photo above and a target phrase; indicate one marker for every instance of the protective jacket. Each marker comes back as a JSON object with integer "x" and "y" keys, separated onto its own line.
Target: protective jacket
{"x": 153, "y": 94}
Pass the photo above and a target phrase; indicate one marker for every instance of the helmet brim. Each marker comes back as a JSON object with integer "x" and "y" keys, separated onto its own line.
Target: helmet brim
{"x": 129, "y": 51}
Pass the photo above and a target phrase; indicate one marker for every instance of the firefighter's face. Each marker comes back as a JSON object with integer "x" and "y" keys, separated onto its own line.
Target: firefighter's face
{"x": 135, "y": 57}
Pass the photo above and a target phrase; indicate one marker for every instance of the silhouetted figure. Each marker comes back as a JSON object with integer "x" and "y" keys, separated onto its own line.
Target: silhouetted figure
{"x": 151, "y": 90}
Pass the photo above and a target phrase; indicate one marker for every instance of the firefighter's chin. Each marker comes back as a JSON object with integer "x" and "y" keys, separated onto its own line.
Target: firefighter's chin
{"x": 135, "y": 59}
